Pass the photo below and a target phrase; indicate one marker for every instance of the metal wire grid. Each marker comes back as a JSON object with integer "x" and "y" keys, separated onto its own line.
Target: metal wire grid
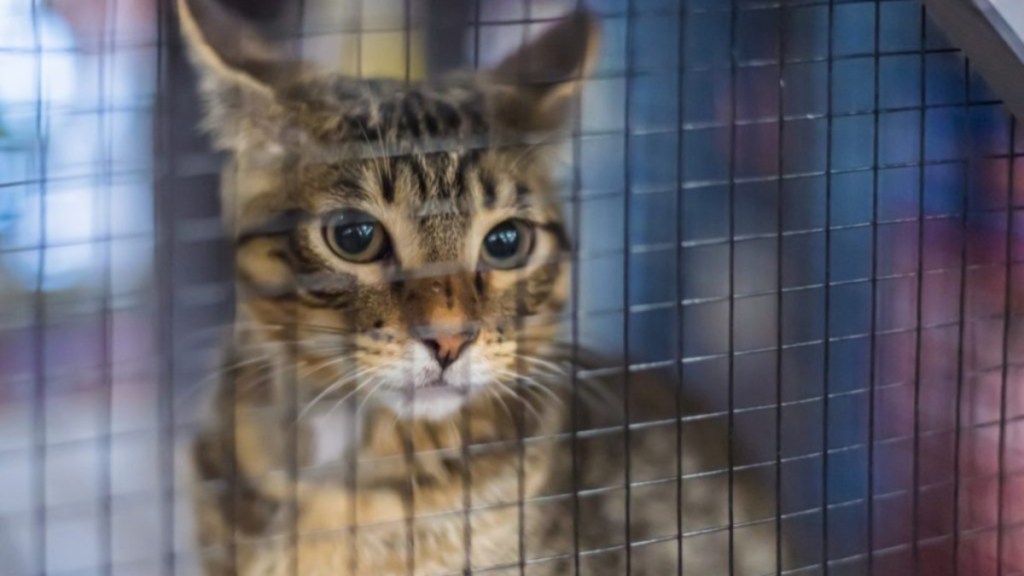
{"x": 789, "y": 267}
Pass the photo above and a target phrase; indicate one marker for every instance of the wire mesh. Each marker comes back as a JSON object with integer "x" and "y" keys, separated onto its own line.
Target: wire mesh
{"x": 803, "y": 212}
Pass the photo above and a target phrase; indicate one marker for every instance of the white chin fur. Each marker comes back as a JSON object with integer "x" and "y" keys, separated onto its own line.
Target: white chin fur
{"x": 434, "y": 405}
{"x": 429, "y": 400}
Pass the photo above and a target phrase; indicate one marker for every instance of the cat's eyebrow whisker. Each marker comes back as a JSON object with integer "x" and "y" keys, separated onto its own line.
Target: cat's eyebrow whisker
{"x": 384, "y": 152}
{"x": 378, "y": 162}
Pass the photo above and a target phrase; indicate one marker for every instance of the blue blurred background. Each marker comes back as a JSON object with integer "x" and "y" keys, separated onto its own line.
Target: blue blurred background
{"x": 814, "y": 168}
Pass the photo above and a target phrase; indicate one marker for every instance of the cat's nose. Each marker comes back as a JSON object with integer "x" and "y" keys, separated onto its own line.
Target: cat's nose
{"x": 448, "y": 347}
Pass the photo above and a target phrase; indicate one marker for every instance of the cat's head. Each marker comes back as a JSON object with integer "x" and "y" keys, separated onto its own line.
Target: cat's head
{"x": 405, "y": 238}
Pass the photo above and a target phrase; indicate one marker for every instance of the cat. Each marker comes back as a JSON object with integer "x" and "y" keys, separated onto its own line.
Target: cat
{"x": 395, "y": 399}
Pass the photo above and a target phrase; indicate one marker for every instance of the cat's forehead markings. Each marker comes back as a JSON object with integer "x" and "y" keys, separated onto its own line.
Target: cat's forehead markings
{"x": 435, "y": 209}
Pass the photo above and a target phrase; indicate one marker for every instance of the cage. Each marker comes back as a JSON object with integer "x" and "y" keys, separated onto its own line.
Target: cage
{"x": 801, "y": 211}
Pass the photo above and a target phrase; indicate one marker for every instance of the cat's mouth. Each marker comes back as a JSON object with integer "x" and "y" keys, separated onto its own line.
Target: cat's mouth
{"x": 438, "y": 382}
{"x": 430, "y": 393}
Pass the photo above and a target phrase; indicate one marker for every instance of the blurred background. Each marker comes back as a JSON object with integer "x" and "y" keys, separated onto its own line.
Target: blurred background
{"x": 805, "y": 210}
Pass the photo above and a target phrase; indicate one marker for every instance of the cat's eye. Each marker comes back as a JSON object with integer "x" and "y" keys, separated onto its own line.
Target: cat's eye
{"x": 356, "y": 236}
{"x": 508, "y": 245}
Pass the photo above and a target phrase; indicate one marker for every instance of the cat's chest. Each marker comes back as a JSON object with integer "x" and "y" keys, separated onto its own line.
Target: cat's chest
{"x": 333, "y": 435}
{"x": 371, "y": 531}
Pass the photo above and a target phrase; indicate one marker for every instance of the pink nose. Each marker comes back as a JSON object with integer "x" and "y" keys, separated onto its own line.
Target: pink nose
{"x": 448, "y": 347}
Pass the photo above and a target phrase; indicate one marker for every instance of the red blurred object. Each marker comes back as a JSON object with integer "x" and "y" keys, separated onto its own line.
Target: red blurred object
{"x": 987, "y": 481}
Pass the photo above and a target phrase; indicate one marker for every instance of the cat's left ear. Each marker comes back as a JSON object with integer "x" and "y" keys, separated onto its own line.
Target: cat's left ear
{"x": 537, "y": 84}
{"x": 240, "y": 73}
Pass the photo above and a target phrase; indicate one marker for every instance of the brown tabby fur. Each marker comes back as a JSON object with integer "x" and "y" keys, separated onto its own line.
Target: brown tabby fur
{"x": 438, "y": 164}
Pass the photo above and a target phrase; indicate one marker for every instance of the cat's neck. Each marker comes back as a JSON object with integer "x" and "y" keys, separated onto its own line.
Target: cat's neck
{"x": 486, "y": 422}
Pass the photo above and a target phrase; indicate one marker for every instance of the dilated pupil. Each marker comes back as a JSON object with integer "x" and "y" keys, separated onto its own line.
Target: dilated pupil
{"x": 354, "y": 238}
{"x": 503, "y": 241}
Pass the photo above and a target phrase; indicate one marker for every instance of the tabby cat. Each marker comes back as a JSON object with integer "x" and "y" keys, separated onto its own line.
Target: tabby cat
{"x": 394, "y": 397}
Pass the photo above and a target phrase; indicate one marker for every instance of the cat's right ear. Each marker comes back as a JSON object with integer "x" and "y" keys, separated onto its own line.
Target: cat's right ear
{"x": 538, "y": 82}
{"x": 239, "y": 74}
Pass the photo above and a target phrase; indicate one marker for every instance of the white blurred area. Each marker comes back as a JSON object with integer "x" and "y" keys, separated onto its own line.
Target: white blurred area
{"x": 1013, "y": 12}
{"x": 77, "y": 87}
{"x": 75, "y": 147}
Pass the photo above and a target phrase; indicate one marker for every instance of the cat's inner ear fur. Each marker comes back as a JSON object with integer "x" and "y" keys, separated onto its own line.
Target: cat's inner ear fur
{"x": 239, "y": 73}
{"x": 537, "y": 84}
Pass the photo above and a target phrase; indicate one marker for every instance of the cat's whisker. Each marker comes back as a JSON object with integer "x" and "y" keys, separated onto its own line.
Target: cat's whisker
{"x": 322, "y": 365}
{"x": 542, "y": 371}
{"x": 594, "y": 393}
{"x": 537, "y": 390}
{"x": 318, "y": 336}
{"x": 521, "y": 382}
{"x": 523, "y": 401}
{"x": 369, "y": 395}
{"x": 321, "y": 328}
{"x": 532, "y": 384}
{"x": 380, "y": 147}
{"x": 555, "y": 368}
{"x": 456, "y": 435}
{"x": 596, "y": 397}
{"x": 501, "y": 402}
{"x": 215, "y": 376}
{"x": 394, "y": 423}
{"x": 384, "y": 152}
{"x": 340, "y": 382}
{"x": 370, "y": 380}
{"x": 197, "y": 336}
{"x": 286, "y": 349}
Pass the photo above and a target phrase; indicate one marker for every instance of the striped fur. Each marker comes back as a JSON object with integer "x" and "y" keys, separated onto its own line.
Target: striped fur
{"x": 320, "y": 457}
